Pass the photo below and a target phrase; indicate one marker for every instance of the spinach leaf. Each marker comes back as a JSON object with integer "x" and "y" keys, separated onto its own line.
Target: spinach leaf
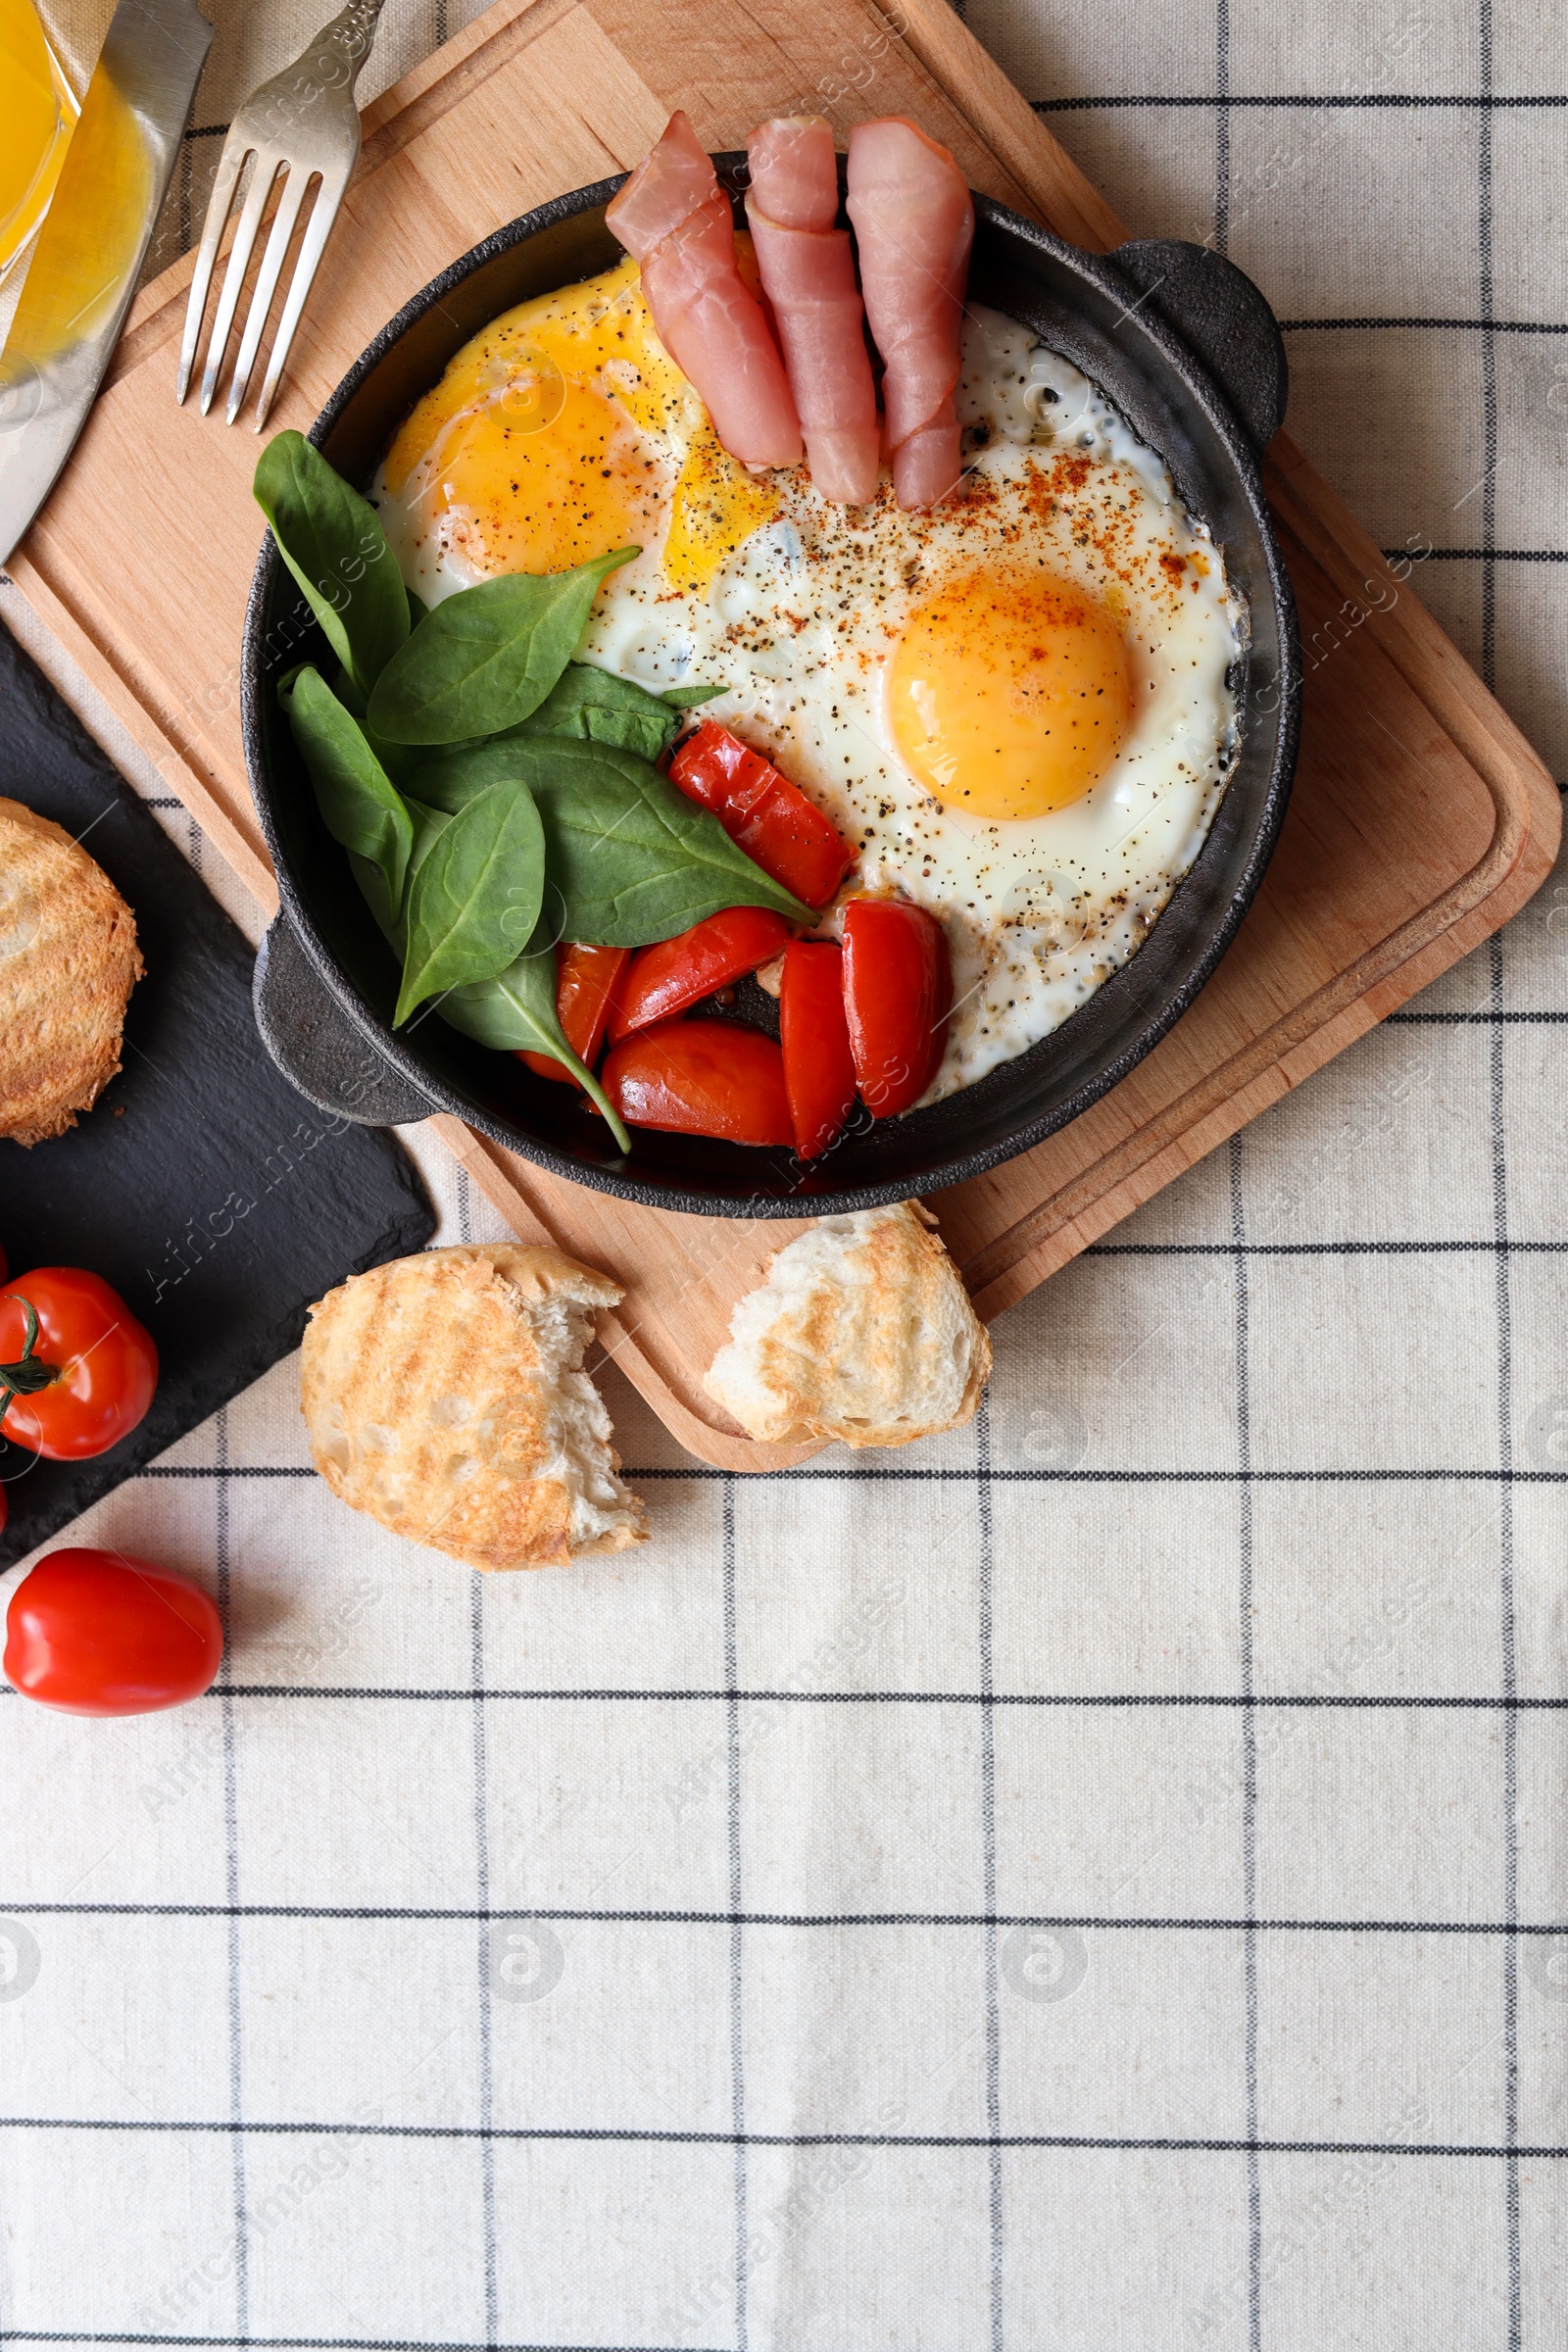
{"x": 418, "y": 609}
{"x": 475, "y": 896}
{"x": 691, "y": 698}
{"x": 594, "y": 706}
{"x": 359, "y": 803}
{"x": 398, "y": 761}
{"x": 332, "y": 541}
{"x": 633, "y": 859}
{"x": 390, "y": 913}
{"x": 460, "y": 776}
{"x": 487, "y": 657}
{"x": 518, "y": 1009}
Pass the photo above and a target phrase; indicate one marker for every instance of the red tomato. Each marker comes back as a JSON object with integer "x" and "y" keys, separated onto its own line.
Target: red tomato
{"x": 98, "y": 1633}
{"x": 102, "y": 1366}
{"x": 701, "y": 1078}
{"x": 898, "y": 994}
{"x": 585, "y": 986}
{"x": 666, "y": 979}
{"x": 771, "y": 818}
{"x": 818, "y": 1068}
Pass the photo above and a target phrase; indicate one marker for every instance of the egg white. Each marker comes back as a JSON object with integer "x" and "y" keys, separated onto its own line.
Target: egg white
{"x": 798, "y": 625}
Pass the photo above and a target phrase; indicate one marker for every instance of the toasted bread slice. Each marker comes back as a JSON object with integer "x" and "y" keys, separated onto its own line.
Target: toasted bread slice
{"x": 862, "y": 1331}
{"x": 68, "y": 962}
{"x": 444, "y": 1394}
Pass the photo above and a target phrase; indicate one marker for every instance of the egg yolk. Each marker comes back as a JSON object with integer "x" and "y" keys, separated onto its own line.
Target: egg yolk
{"x": 1011, "y": 695}
{"x": 566, "y": 429}
{"x": 540, "y": 476}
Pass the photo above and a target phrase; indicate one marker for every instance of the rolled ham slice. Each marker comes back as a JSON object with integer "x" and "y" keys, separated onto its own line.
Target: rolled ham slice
{"x": 808, "y": 271}
{"x": 913, "y": 225}
{"x": 674, "y": 219}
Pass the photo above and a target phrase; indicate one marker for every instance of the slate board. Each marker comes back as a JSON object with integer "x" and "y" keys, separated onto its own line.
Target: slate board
{"x": 217, "y": 1200}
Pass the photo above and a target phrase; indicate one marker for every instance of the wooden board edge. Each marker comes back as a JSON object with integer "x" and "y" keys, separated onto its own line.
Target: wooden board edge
{"x": 1003, "y": 119}
{"x": 1305, "y": 1040}
{"x": 239, "y": 843}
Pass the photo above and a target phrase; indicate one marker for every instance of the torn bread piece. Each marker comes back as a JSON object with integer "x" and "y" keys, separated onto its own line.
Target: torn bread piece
{"x": 68, "y": 962}
{"x": 445, "y": 1394}
{"x": 862, "y": 1331}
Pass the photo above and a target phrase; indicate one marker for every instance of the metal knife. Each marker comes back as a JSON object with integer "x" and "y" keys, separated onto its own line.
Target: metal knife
{"x": 92, "y": 245}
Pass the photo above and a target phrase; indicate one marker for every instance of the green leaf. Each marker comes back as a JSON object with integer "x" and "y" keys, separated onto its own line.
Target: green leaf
{"x": 475, "y": 896}
{"x": 360, "y": 805}
{"x": 390, "y": 913}
{"x": 332, "y": 541}
{"x": 691, "y": 698}
{"x": 418, "y": 609}
{"x": 633, "y": 859}
{"x": 486, "y": 657}
{"x": 460, "y": 776}
{"x": 594, "y": 706}
{"x": 516, "y": 1012}
{"x": 398, "y": 761}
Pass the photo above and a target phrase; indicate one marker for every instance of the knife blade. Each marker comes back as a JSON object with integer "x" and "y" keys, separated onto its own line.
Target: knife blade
{"x": 92, "y": 245}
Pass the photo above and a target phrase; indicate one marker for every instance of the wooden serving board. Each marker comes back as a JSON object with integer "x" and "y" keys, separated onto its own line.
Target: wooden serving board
{"x": 1421, "y": 818}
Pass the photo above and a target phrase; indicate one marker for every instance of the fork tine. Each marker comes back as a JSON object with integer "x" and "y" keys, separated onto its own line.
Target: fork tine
{"x": 283, "y": 220}
{"x": 250, "y": 221}
{"x": 220, "y": 204}
{"x": 329, "y": 200}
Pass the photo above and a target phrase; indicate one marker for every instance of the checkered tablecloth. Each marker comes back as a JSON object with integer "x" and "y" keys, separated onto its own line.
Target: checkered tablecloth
{"x": 1088, "y": 1883}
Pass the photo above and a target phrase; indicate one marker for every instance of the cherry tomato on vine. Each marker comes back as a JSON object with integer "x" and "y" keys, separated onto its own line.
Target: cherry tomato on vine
{"x": 99, "y": 1633}
{"x": 77, "y": 1369}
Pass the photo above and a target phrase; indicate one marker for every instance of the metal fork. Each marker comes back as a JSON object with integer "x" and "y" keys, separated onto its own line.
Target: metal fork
{"x": 304, "y": 124}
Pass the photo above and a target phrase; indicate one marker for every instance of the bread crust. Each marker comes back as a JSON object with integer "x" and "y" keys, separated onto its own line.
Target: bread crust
{"x": 864, "y": 1333}
{"x": 436, "y": 1389}
{"x": 68, "y": 962}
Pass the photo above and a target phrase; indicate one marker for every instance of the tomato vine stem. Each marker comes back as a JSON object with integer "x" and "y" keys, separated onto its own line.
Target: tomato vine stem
{"x": 29, "y": 1374}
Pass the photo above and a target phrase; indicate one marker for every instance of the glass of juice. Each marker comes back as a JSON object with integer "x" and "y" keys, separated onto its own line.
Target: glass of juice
{"x": 37, "y": 114}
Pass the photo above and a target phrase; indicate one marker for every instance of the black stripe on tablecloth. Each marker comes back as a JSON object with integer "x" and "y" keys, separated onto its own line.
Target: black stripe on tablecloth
{"x": 988, "y": 1862}
{"x": 666, "y": 2136}
{"x": 1244, "y": 1461}
{"x": 1131, "y": 1922}
{"x": 236, "y": 2048}
{"x": 1328, "y": 102}
{"x": 737, "y": 2013}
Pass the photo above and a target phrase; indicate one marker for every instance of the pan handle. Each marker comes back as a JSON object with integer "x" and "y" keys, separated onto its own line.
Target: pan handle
{"x": 1216, "y": 308}
{"x": 318, "y": 1050}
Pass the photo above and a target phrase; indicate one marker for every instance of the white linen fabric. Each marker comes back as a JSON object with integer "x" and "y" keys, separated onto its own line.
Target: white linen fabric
{"x": 1093, "y": 1881}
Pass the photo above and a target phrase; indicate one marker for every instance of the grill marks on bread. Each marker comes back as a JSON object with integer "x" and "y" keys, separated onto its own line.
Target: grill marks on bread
{"x": 444, "y": 1394}
{"x": 68, "y": 962}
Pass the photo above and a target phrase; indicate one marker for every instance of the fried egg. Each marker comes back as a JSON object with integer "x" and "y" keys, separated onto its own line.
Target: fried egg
{"x": 1019, "y": 706}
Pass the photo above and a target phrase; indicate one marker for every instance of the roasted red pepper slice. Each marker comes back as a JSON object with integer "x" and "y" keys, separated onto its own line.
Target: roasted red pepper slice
{"x": 666, "y": 979}
{"x": 701, "y": 1078}
{"x": 771, "y": 818}
{"x": 586, "y": 982}
{"x": 819, "y": 1067}
{"x": 898, "y": 994}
